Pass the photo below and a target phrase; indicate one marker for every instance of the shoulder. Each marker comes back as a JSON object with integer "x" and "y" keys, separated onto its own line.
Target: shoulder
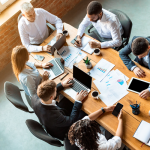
{"x": 21, "y": 22}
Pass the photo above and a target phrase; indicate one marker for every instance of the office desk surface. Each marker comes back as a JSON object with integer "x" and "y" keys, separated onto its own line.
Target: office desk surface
{"x": 131, "y": 122}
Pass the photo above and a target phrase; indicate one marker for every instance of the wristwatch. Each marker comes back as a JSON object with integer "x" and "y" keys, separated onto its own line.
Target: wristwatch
{"x": 103, "y": 110}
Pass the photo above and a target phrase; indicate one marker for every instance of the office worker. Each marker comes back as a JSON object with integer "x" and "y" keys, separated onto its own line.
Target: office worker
{"x": 106, "y": 24}
{"x": 33, "y": 29}
{"x": 29, "y": 78}
{"x": 140, "y": 47}
{"x": 54, "y": 116}
{"x": 86, "y": 133}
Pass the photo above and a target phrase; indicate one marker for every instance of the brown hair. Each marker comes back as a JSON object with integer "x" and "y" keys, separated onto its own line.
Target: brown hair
{"x": 84, "y": 133}
{"x": 139, "y": 46}
{"x": 19, "y": 57}
{"x": 46, "y": 89}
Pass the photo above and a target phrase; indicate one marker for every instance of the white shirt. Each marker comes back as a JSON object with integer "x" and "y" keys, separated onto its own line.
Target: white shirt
{"x": 30, "y": 79}
{"x": 112, "y": 144}
{"x": 36, "y": 32}
{"x": 108, "y": 27}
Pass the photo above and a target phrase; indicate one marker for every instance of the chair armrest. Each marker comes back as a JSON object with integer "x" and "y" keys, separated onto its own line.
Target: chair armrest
{"x": 90, "y": 27}
{"x": 51, "y": 26}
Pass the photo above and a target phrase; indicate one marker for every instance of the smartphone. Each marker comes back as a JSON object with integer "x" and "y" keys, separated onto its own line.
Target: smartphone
{"x": 117, "y": 109}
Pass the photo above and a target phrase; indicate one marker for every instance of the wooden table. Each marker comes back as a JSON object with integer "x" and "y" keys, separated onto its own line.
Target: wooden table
{"x": 131, "y": 122}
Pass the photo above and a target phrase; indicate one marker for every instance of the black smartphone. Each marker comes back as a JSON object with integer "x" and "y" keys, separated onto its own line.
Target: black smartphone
{"x": 117, "y": 109}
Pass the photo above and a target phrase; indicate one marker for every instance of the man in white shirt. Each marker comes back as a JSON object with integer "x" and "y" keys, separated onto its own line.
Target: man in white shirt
{"x": 33, "y": 29}
{"x": 106, "y": 24}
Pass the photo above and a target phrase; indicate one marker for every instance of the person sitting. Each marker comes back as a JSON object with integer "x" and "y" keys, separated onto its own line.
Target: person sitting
{"x": 86, "y": 133}
{"x": 140, "y": 47}
{"x": 106, "y": 24}
{"x": 56, "y": 117}
{"x": 29, "y": 78}
{"x": 33, "y": 29}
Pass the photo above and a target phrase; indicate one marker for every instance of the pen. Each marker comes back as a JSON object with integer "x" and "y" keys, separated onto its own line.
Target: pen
{"x": 76, "y": 41}
{"x": 64, "y": 76}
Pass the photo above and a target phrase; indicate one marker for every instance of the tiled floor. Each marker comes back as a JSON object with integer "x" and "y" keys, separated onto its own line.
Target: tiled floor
{"x": 14, "y": 134}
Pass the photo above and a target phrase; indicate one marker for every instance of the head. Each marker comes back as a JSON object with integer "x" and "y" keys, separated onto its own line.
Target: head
{"x": 28, "y": 11}
{"x": 19, "y": 57}
{"x": 94, "y": 11}
{"x": 85, "y": 133}
{"x": 140, "y": 47}
{"x": 47, "y": 91}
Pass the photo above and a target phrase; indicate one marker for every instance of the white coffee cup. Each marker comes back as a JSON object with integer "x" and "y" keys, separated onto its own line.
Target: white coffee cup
{"x": 95, "y": 94}
{"x": 65, "y": 32}
{"x": 97, "y": 51}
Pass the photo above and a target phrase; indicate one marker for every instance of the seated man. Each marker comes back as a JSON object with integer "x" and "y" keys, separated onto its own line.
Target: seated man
{"x": 55, "y": 118}
{"x": 106, "y": 24}
{"x": 87, "y": 135}
{"x": 33, "y": 29}
{"x": 140, "y": 47}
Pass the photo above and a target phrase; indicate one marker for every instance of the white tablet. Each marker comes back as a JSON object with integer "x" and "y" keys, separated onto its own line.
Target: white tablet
{"x": 136, "y": 85}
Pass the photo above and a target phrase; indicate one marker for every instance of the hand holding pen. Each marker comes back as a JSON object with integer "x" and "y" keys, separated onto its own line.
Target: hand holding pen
{"x": 78, "y": 41}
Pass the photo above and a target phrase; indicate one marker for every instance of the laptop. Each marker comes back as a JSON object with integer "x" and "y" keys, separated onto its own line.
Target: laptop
{"x": 82, "y": 81}
{"x": 57, "y": 45}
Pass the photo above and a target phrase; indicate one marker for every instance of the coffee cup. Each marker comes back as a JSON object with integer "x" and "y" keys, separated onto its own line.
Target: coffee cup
{"x": 65, "y": 32}
{"x": 95, "y": 94}
{"x": 97, "y": 51}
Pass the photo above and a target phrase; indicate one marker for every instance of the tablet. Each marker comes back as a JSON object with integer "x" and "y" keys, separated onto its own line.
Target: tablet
{"x": 137, "y": 85}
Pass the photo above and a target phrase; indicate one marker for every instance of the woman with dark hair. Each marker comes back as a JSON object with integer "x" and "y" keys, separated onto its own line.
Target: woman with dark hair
{"x": 86, "y": 133}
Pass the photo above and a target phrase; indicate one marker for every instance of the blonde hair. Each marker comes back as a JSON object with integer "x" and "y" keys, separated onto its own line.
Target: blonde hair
{"x": 19, "y": 57}
{"x": 26, "y": 7}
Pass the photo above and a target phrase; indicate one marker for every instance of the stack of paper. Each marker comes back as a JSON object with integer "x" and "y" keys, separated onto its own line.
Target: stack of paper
{"x": 112, "y": 87}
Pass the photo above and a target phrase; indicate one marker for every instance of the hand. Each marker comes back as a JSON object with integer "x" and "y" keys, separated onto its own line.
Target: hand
{"x": 66, "y": 84}
{"x": 46, "y": 48}
{"x": 139, "y": 72}
{"x": 145, "y": 94}
{"x": 78, "y": 43}
{"x": 80, "y": 96}
{"x": 45, "y": 76}
{"x": 109, "y": 108}
{"x": 47, "y": 65}
{"x": 58, "y": 36}
{"x": 94, "y": 44}
{"x": 120, "y": 116}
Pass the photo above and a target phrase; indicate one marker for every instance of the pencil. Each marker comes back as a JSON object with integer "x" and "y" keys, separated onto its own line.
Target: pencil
{"x": 64, "y": 76}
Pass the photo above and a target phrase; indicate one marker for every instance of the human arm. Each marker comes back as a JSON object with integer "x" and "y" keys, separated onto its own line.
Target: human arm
{"x": 145, "y": 93}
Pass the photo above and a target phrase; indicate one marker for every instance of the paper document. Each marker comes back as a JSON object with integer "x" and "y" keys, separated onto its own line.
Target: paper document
{"x": 120, "y": 73}
{"x": 113, "y": 94}
{"x": 143, "y": 132}
{"x": 101, "y": 69}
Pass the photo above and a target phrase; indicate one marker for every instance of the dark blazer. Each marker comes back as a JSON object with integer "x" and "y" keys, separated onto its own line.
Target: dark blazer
{"x": 126, "y": 59}
{"x": 53, "y": 117}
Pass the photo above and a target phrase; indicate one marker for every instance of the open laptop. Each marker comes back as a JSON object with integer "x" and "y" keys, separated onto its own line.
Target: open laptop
{"x": 57, "y": 45}
{"x": 82, "y": 81}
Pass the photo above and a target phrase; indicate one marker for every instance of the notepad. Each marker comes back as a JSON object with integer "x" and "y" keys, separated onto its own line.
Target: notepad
{"x": 85, "y": 44}
{"x": 143, "y": 133}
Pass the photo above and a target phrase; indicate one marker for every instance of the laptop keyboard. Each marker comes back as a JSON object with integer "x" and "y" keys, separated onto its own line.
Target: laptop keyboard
{"x": 59, "y": 63}
{"x": 78, "y": 87}
{"x": 56, "y": 70}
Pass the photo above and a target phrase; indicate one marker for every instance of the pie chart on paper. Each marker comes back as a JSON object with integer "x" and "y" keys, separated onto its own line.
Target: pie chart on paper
{"x": 120, "y": 81}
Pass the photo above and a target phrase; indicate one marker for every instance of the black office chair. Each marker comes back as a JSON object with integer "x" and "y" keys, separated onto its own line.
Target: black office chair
{"x": 12, "y": 93}
{"x": 38, "y": 130}
{"x": 126, "y": 25}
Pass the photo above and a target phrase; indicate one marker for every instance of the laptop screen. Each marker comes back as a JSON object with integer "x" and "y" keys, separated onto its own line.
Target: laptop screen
{"x": 82, "y": 77}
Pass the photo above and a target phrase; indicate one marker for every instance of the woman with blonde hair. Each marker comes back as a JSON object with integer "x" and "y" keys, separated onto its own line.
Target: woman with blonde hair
{"x": 29, "y": 78}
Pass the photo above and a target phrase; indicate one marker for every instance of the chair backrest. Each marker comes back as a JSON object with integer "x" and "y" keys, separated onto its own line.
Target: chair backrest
{"x": 37, "y": 130}
{"x": 125, "y": 22}
{"x": 19, "y": 17}
{"x": 12, "y": 93}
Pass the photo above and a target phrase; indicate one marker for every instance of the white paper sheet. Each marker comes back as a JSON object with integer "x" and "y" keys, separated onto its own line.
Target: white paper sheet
{"x": 68, "y": 53}
{"x": 101, "y": 69}
{"x": 113, "y": 94}
{"x": 120, "y": 73}
{"x": 143, "y": 132}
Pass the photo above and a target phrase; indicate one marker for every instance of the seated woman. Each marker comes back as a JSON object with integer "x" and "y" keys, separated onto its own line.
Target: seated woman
{"x": 86, "y": 133}
{"x": 29, "y": 78}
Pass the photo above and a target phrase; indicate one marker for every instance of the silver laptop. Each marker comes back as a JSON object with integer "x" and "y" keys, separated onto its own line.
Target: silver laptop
{"x": 82, "y": 81}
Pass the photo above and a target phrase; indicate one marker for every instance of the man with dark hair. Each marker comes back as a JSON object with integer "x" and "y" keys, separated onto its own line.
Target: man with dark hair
{"x": 140, "y": 47}
{"x": 106, "y": 24}
{"x": 56, "y": 118}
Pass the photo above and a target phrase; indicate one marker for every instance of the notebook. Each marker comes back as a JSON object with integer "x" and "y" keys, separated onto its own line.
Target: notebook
{"x": 143, "y": 133}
